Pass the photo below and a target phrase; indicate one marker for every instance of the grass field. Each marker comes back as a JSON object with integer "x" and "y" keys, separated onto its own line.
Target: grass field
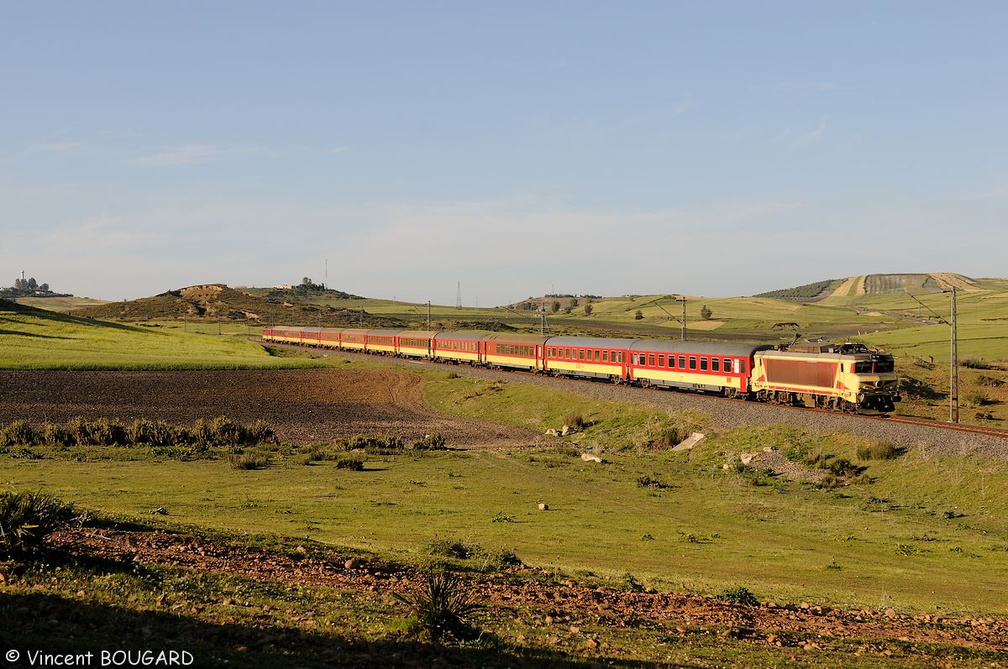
{"x": 36, "y": 339}
{"x": 901, "y": 541}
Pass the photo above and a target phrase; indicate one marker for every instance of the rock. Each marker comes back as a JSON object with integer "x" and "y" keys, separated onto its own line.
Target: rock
{"x": 590, "y": 457}
{"x": 543, "y": 507}
{"x": 890, "y": 614}
{"x": 351, "y": 563}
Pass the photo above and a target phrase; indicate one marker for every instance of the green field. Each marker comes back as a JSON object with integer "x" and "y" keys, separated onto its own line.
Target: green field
{"x": 900, "y": 541}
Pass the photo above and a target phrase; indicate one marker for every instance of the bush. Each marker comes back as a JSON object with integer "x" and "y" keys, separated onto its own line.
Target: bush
{"x": 146, "y": 432}
{"x": 443, "y": 609}
{"x": 978, "y": 398}
{"x": 353, "y": 464}
{"x": 879, "y": 450}
{"x": 668, "y": 437}
{"x": 430, "y": 442}
{"x": 26, "y": 519}
{"x": 226, "y": 432}
{"x": 18, "y": 433}
{"x": 448, "y": 548}
{"x": 575, "y": 420}
{"x": 739, "y": 595}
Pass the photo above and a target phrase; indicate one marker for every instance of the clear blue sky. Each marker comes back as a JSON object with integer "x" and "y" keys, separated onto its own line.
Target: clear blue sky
{"x": 708, "y": 148}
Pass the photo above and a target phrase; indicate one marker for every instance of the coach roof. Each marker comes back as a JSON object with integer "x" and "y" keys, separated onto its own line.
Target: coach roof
{"x": 699, "y": 347}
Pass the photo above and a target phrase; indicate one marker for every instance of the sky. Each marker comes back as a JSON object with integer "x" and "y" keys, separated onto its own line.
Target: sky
{"x": 418, "y": 149}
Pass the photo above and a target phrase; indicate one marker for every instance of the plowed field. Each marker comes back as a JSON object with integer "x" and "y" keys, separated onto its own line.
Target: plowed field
{"x": 302, "y": 406}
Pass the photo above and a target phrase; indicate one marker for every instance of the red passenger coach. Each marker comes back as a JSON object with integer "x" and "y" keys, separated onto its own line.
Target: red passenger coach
{"x": 381, "y": 341}
{"x": 515, "y": 351}
{"x": 460, "y": 347}
{"x": 588, "y": 357}
{"x": 416, "y": 344}
{"x": 353, "y": 340}
{"x": 702, "y": 366}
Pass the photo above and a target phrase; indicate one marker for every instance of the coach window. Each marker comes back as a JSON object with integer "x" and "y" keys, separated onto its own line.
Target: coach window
{"x": 650, "y": 360}
{"x": 703, "y": 364}
{"x": 692, "y": 362}
{"x": 715, "y": 365}
{"x": 580, "y": 354}
{"x": 727, "y": 365}
{"x": 661, "y": 360}
{"x": 682, "y": 362}
{"x": 605, "y": 356}
{"x": 596, "y": 355}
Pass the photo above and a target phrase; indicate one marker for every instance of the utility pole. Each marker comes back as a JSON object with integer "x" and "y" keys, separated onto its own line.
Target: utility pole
{"x": 954, "y": 353}
{"x": 954, "y": 372}
{"x": 458, "y": 296}
{"x": 428, "y": 315}
{"x": 683, "y": 321}
{"x": 677, "y": 298}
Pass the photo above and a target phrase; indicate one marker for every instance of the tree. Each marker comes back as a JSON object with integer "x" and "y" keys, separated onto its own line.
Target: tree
{"x": 705, "y": 313}
{"x": 555, "y": 307}
{"x": 588, "y": 309}
{"x": 639, "y": 315}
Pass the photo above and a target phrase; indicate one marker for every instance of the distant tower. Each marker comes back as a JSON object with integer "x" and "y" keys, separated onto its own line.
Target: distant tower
{"x": 458, "y": 296}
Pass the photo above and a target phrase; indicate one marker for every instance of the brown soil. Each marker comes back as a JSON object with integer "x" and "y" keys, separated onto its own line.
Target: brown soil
{"x": 302, "y": 406}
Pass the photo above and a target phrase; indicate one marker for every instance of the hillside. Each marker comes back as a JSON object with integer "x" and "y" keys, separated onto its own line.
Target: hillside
{"x": 219, "y": 302}
{"x": 873, "y": 284}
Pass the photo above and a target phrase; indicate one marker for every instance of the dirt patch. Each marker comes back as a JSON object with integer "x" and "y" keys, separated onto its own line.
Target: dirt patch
{"x": 302, "y": 406}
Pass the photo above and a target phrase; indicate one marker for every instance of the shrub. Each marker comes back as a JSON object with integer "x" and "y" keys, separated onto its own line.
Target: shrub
{"x": 978, "y": 398}
{"x": 57, "y": 435}
{"x": 739, "y": 595}
{"x": 260, "y": 432}
{"x": 575, "y": 420}
{"x": 226, "y": 432}
{"x": 878, "y": 450}
{"x": 443, "y": 607}
{"x": 26, "y": 519}
{"x": 146, "y": 432}
{"x": 18, "y": 433}
{"x": 448, "y": 548}
{"x": 353, "y": 464}
{"x": 430, "y": 442}
{"x": 668, "y": 437}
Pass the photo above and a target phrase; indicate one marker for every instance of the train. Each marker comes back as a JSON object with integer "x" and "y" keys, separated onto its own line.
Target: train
{"x": 839, "y": 377}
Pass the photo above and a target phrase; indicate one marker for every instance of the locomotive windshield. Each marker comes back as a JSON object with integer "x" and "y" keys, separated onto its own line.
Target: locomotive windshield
{"x": 880, "y": 365}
